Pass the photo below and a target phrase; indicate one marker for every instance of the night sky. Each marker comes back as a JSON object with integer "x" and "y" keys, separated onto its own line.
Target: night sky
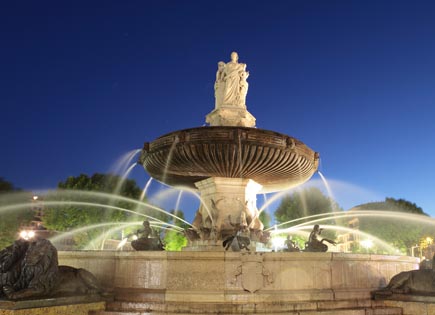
{"x": 84, "y": 82}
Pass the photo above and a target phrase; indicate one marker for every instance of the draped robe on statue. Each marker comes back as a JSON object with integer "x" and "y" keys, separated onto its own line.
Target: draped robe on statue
{"x": 232, "y": 82}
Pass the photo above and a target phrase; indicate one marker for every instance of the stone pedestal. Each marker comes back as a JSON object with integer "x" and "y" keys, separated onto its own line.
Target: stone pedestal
{"x": 78, "y": 305}
{"x": 229, "y": 115}
{"x": 413, "y": 304}
{"x": 228, "y": 204}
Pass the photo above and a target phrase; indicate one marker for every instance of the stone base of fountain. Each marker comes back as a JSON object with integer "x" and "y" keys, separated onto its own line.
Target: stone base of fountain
{"x": 411, "y": 305}
{"x": 228, "y": 205}
{"x": 207, "y": 282}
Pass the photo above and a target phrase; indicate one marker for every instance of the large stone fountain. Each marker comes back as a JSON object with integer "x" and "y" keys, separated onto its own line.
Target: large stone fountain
{"x": 230, "y": 161}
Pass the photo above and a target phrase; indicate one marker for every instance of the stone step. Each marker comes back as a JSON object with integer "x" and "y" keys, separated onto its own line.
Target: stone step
{"x": 356, "y": 307}
{"x": 376, "y": 311}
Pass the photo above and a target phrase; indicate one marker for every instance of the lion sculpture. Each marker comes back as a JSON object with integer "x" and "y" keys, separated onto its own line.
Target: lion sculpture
{"x": 414, "y": 282}
{"x": 30, "y": 269}
{"x": 10, "y": 263}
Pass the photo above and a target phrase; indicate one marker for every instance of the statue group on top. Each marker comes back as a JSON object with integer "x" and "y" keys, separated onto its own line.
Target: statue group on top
{"x": 231, "y": 86}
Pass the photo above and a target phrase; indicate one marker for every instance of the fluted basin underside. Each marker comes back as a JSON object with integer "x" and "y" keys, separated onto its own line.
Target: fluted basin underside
{"x": 274, "y": 160}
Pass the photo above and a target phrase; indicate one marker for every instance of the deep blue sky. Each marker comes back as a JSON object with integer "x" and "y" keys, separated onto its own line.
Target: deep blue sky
{"x": 83, "y": 82}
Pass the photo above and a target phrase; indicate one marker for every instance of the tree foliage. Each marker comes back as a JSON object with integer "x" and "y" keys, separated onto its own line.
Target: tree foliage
{"x": 302, "y": 204}
{"x": 175, "y": 240}
{"x": 69, "y": 216}
{"x": 11, "y": 219}
{"x": 400, "y": 232}
{"x": 6, "y": 186}
{"x": 265, "y": 219}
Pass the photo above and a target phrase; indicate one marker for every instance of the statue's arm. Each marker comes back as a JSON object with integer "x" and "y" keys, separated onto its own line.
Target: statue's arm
{"x": 329, "y": 241}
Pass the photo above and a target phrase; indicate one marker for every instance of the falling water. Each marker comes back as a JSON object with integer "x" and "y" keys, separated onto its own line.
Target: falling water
{"x": 121, "y": 165}
{"x": 177, "y": 203}
{"x": 303, "y": 197}
{"x": 276, "y": 245}
{"x": 106, "y": 196}
{"x": 147, "y": 185}
{"x": 168, "y": 160}
{"x": 306, "y": 217}
{"x": 198, "y": 196}
{"x": 328, "y": 189}
{"x": 86, "y": 194}
{"x": 362, "y": 213}
{"x": 143, "y": 194}
{"x": 69, "y": 233}
{"x": 118, "y": 187}
{"x": 279, "y": 195}
{"x": 163, "y": 194}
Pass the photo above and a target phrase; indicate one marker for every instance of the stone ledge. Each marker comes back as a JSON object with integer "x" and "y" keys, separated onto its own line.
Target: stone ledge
{"x": 355, "y": 307}
{"x": 35, "y": 307}
{"x": 413, "y": 308}
{"x": 429, "y": 299}
{"x": 48, "y": 302}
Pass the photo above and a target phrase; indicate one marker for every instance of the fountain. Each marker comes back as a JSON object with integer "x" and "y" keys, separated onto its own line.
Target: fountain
{"x": 229, "y": 162}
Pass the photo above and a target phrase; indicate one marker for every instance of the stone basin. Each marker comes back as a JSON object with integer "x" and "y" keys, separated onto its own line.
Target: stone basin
{"x": 274, "y": 160}
{"x": 209, "y": 282}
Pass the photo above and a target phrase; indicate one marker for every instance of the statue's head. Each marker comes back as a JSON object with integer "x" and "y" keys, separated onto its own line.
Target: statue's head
{"x": 234, "y": 56}
{"x": 221, "y": 65}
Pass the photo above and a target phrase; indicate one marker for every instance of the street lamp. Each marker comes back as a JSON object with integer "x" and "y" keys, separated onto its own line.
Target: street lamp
{"x": 27, "y": 235}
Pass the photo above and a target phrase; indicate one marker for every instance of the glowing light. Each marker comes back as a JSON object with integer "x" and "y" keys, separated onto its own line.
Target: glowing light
{"x": 35, "y": 197}
{"x": 278, "y": 242}
{"x": 26, "y": 235}
{"x": 366, "y": 243}
{"x": 134, "y": 237}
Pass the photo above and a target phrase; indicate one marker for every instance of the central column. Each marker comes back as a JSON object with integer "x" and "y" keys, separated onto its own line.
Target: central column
{"x": 227, "y": 206}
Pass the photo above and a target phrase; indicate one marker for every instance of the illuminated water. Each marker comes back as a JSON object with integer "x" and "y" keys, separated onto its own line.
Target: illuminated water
{"x": 173, "y": 197}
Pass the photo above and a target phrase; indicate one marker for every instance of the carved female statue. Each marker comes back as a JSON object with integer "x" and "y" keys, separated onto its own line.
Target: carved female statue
{"x": 234, "y": 74}
{"x": 241, "y": 100}
{"x": 219, "y": 85}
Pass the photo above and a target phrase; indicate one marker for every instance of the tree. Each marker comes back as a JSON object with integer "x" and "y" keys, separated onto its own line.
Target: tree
{"x": 6, "y": 186}
{"x": 302, "y": 204}
{"x": 13, "y": 219}
{"x": 399, "y": 232}
{"x": 69, "y": 216}
{"x": 265, "y": 219}
{"x": 174, "y": 240}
